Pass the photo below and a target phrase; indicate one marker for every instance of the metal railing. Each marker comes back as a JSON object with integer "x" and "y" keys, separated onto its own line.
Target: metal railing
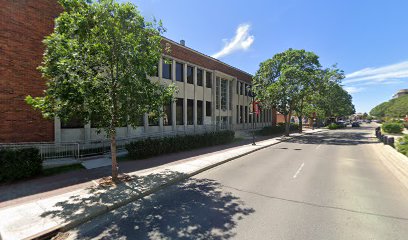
{"x": 48, "y": 150}
{"x": 76, "y": 150}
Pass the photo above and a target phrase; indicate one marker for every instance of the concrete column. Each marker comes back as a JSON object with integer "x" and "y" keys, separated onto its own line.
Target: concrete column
{"x": 185, "y": 97}
{"x": 87, "y": 134}
{"x": 57, "y": 130}
{"x": 204, "y": 90}
{"x": 161, "y": 123}
{"x": 195, "y": 112}
{"x": 146, "y": 123}
{"x": 173, "y": 116}
{"x": 173, "y": 70}
{"x": 228, "y": 101}
{"x": 213, "y": 89}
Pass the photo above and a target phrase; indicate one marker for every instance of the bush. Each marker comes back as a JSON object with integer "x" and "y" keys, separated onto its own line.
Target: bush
{"x": 270, "y": 130}
{"x": 19, "y": 163}
{"x": 402, "y": 145}
{"x": 333, "y": 126}
{"x": 152, "y": 147}
{"x": 392, "y": 127}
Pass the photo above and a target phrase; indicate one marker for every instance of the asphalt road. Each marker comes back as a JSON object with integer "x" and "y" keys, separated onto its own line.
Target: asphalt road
{"x": 322, "y": 186}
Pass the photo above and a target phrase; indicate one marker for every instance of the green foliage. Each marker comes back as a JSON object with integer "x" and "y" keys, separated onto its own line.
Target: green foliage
{"x": 392, "y": 127}
{"x": 394, "y": 108}
{"x": 97, "y": 62}
{"x": 402, "y": 145}
{"x": 19, "y": 163}
{"x": 278, "y": 129}
{"x": 152, "y": 147}
{"x": 333, "y": 126}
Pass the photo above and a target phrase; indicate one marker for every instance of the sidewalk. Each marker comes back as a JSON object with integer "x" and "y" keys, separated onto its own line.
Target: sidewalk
{"x": 61, "y": 205}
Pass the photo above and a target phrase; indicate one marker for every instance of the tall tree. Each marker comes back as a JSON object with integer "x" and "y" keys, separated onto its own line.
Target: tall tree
{"x": 97, "y": 62}
{"x": 285, "y": 80}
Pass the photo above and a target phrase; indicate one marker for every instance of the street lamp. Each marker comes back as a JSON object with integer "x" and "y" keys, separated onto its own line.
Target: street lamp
{"x": 252, "y": 95}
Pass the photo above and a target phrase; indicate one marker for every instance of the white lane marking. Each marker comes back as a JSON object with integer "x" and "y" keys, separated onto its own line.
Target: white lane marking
{"x": 319, "y": 146}
{"x": 298, "y": 171}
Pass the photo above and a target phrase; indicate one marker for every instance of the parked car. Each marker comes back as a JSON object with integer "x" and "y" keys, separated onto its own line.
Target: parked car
{"x": 341, "y": 123}
{"x": 355, "y": 124}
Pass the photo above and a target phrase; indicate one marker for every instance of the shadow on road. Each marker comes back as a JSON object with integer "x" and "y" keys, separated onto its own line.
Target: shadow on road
{"x": 194, "y": 209}
{"x": 346, "y": 136}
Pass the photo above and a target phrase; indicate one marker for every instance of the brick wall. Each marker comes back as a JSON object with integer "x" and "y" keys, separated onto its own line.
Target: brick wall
{"x": 23, "y": 25}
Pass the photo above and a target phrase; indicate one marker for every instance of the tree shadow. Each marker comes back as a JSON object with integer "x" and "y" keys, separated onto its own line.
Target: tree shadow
{"x": 336, "y": 137}
{"x": 192, "y": 209}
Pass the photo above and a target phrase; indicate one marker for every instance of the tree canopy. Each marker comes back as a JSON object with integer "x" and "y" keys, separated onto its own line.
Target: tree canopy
{"x": 394, "y": 108}
{"x": 97, "y": 62}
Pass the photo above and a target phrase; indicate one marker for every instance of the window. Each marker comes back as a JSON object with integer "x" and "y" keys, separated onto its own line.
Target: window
{"x": 179, "y": 72}
{"x": 237, "y": 87}
{"x": 199, "y": 77}
{"x": 237, "y": 113}
{"x": 179, "y": 111}
{"x": 190, "y": 111}
{"x": 190, "y": 73}
{"x": 166, "y": 68}
{"x": 208, "y": 79}
{"x": 246, "y": 89}
{"x": 208, "y": 109}
{"x": 200, "y": 112}
{"x": 224, "y": 94}
{"x": 246, "y": 114}
{"x": 250, "y": 115}
{"x": 153, "y": 119}
{"x": 241, "y": 85}
{"x": 241, "y": 113}
{"x": 217, "y": 93}
{"x": 230, "y": 96}
{"x": 74, "y": 122}
{"x": 167, "y": 117}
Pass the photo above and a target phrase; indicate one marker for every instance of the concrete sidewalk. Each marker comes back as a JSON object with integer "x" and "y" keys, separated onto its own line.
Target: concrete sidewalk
{"x": 66, "y": 210}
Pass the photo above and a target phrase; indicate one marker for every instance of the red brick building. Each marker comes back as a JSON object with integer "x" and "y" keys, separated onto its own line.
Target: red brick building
{"x": 211, "y": 92}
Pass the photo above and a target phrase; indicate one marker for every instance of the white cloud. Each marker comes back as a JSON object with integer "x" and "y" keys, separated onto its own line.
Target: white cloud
{"x": 241, "y": 41}
{"x": 352, "y": 90}
{"x": 388, "y": 73}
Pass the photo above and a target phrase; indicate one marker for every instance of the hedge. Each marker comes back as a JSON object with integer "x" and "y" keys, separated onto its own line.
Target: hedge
{"x": 333, "y": 126}
{"x": 392, "y": 127}
{"x": 402, "y": 145}
{"x": 19, "y": 163}
{"x": 152, "y": 147}
{"x": 280, "y": 128}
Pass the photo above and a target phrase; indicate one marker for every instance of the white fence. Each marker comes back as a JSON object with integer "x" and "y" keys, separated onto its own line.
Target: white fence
{"x": 48, "y": 150}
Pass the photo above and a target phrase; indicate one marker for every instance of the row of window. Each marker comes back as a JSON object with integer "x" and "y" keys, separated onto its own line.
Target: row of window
{"x": 244, "y": 117}
{"x": 167, "y": 69}
{"x": 242, "y": 88}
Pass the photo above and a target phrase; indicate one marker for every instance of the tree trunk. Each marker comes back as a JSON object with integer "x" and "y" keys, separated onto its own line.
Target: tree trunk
{"x": 113, "y": 155}
{"x": 287, "y": 125}
{"x": 300, "y": 124}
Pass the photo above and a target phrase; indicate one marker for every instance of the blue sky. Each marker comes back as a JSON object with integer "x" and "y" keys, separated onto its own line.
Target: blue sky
{"x": 367, "y": 39}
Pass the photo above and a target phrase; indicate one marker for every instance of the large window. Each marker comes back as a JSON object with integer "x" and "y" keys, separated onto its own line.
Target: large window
{"x": 246, "y": 114}
{"x": 166, "y": 68}
{"x": 72, "y": 123}
{"x": 200, "y": 112}
{"x": 246, "y": 89}
{"x": 179, "y": 111}
{"x": 190, "y": 74}
{"x": 237, "y": 113}
{"x": 167, "y": 117}
{"x": 241, "y": 113}
{"x": 199, "y": 77}
{"x": 153, "y": 119}
{"x": 217, "y": 93}
{"x": 179, "y": 72}
{"x": 241, "y": 90}
{"x": 224, "y": 85}
{"x": 208, "y": 109}
{"x": 208, "y": 79}
{"x": 237, "y": 87}
{"x": 190, "y": 111}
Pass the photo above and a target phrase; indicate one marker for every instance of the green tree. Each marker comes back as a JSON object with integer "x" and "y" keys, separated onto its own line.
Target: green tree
{"x": 97, "y": 62}
{"x": 285, "y": 80}
{"x": 398, "y": 108}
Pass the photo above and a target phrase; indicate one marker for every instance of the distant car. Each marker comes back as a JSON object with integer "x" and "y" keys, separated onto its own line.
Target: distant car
{"x": 355, "y": 124}
{"x": 341, "y": 123}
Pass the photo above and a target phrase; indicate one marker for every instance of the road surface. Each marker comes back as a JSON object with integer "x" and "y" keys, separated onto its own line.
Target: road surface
{"x": 323, "y": 186}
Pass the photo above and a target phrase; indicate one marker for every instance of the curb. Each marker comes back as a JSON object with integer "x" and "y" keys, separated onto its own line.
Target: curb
{"x": 49, "y": 233}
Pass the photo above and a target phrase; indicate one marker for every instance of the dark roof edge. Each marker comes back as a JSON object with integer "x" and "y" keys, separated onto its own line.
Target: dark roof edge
{"x": 214, "y": 59}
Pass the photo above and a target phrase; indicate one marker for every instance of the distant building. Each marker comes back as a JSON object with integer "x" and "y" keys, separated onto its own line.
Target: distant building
{"x": 400, "y": 93}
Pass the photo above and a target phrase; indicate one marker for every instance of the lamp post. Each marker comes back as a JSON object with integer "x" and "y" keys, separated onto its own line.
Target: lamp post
{"x": 252, "y": 95}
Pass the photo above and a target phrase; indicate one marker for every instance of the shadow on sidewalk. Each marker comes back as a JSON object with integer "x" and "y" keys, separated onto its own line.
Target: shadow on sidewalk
{"x": 32, "y": 189}
{"x": 193, "y": 209}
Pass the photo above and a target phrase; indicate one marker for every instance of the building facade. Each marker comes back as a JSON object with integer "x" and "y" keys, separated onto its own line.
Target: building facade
{"x": 400, "y": 93}
{"x": 211, "y": 94}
